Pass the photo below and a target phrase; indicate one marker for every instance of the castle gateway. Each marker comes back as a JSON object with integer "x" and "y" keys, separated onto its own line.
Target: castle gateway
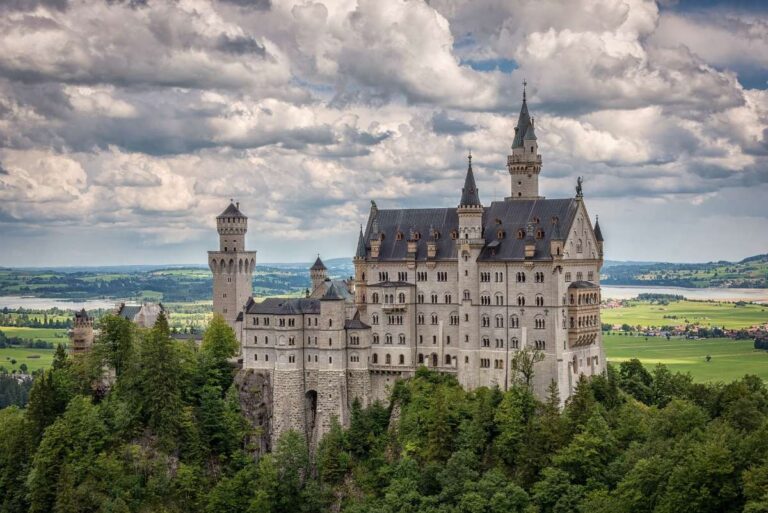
{"x": 460, "y": 290}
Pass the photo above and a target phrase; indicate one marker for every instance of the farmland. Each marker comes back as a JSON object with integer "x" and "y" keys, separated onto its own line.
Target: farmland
{"x": 702, "y": 313}
{"x": 731, "y": 359}
{"x": 34, "y": 358}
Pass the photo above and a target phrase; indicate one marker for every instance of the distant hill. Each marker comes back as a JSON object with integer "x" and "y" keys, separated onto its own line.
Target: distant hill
{"x": 750, "y": 272}
{"x": 193, "y": 282}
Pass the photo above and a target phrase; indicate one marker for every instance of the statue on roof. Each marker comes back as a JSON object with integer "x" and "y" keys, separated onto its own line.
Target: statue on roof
{"x": 579, "y": 191}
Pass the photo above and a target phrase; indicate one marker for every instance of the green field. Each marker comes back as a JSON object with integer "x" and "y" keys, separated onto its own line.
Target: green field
{"x": 56, "y": 336}
{"x": 703, "y": 313}
{"x": 731, "y": 359}
{"x": 26, "y": 355}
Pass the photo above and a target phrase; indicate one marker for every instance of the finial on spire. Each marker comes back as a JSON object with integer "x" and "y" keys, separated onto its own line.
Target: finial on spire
{"x": 525, "y": 83}
{"x": 470, "y": 156}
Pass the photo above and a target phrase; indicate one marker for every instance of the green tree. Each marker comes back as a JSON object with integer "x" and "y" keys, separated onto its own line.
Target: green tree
{"x": 160, "y": 395}
{"x": 218, "y": 346}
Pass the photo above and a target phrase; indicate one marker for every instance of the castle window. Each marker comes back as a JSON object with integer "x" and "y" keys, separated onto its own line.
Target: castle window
{"x": 421, "y": 358}
{"x": 454, "y": 234}
{"x": 420, "y": 319}
{"x": 486, "y": 342}
{"x": 420, "y": 298}
{"x": 330, "y": 323}
{"x": 521, "y": 300}
{"x": 567, "y": 277}
{"x": 401, "y": 360}
{"x": 514, "y": 343}
{"x": 442, "y": 276}
{"x": 402, "y": 276}
{"x": 590, "y": 275}
{"x": 447, "y": 359}
{"x": 434, "y": 318}
{"x": 401, "y": 339}
{"x": 375, "y": 318}
{"x": 401, "y": 297}
{"x": 539, "y": 234}
{"x": 514, "y": 321}
{"x": 485, "y": 321}
{"x": 500, "y": 234}
{"x": 485, "y": 300}
{"x": 499, "y": 321}
{"x": 416, "y": 235}
{"x": 485, "y": 363}
{"x": 434, "y": 298}
{"x": 388, "y": 359}
{"x": 330, "y": 359}
{"x": 375, "y": 358}
{"x": 499, "y": 299}
{"x": 256, "y": 357}
{"x": 520, "y": 232}
{"x": 421, "y": 276}
{"x": 579, "y": 276}
{"x": 448, "y": 340}
{"x": 447, "y": 299}
{"x": 539, "y": 300}
{"x": 266, "y": 357}
{"x": 399, "y": 236}
{"x": 375, "y": 338}
{"x": 435, "y": 234}
{"x": 466, "y": 359}
{"x": 579, "y": 246}
{"x": 388, "y": 339}
{"x": 454, "y": 319}
{"x": 291, "y": 358}
{"x": 255, "y": 339}
{"x": 330, "y": 341}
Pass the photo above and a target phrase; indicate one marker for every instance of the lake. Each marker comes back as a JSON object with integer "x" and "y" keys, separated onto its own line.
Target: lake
{"x": 704, "y": 294}
{"x": 43, "y": 303}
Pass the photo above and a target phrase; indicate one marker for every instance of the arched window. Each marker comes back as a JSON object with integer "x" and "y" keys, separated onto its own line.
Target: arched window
{"x": 466, "y": 295}
{"x": 375, "y": 358}
{"x": 401, "y": 297}
{"x": 520, "y": 233}
{"x": 447, "y": 359}
{"x": 520, "y": 300}
{"x": 388, "y": 339}
{"x": 434, "y": 318}
{"x": 401, "y": 339}
{"x": 579, "y": 246}
{"x": 401, "y": 359}
{"x": 375, "y": 297}
{"x": 514, "y": 321}
{"x": 388, "y": 359}
{"x": 514, "y": 343}
{"x": 399, "y": 236}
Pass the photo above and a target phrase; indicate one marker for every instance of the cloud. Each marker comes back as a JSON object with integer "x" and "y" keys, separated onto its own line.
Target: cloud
{"x": 144, "y": 118}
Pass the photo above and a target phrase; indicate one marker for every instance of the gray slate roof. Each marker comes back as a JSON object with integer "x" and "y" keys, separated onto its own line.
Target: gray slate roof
{"x": 333, "y": 292}
{"x": 231, "y": 211}
{"x": 360, "y": 253}
{"x": 522, "y": 125}
{"x": 509, "y": 216}
{"x": 129, "y": 311}
{"x": 469, "y": 194}
{"x": 582, "y": 285}
{"x": 284, "y": 306}
{"x": 355, "y": 324}
{"x": 318, "y": 265}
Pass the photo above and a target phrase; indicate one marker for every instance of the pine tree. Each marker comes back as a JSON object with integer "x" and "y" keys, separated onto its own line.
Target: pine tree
{"x": 160, "y": 400}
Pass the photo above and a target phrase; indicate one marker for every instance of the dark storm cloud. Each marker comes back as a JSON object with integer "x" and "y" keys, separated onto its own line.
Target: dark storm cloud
{"x": 442, "y": 124}
{"x": 31, "y": 5}
{"x": 260, "y": 5}
{"x": 239, "y": 45}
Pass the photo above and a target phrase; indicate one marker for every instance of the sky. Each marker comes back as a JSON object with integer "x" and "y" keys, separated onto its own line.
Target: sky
{"x": 127, "y": 126}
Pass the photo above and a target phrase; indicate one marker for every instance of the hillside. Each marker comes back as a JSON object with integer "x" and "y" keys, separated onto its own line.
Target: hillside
{"x": 751, "y": 272}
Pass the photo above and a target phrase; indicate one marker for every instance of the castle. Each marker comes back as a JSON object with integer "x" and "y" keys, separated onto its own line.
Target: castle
{"x": 459, "y": 290}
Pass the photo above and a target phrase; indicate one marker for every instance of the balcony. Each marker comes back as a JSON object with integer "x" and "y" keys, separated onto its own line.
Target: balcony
{"x": 522, "y": 159}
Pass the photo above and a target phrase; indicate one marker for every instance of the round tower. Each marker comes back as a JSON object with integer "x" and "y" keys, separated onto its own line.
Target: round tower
{"x": 81, "y": 335}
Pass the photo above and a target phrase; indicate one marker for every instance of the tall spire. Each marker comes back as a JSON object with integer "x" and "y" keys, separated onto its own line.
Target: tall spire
{"x": 598, "y": 231}
{"x": 360, "y": 253}
{"x": 469, "y": 194}
{"x": 522, "y": 122}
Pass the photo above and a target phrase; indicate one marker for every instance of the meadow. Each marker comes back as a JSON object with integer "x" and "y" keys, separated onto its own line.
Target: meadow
{"x": 731, "y": 359}
{"x": 703, "y": 313}
{"x": 55, "y": 336}
{"x": 34, "y": 358}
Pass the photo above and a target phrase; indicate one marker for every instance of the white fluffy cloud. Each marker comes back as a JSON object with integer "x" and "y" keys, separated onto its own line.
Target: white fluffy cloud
{"x": 144, "y": 120}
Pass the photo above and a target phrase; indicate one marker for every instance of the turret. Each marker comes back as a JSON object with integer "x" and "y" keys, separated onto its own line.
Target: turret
{"x": 318, "y": 273}
{"x": 375, "y": 235}
{"x": 470, "y": 209}
{"x": 432, "y": 243}
{"x": 81, "y": 335}
{"x": 232, "y": 225}
{"x": 524, "y": 164}
{"x": 359, "y": 261}
{"x": 599, "y": 237}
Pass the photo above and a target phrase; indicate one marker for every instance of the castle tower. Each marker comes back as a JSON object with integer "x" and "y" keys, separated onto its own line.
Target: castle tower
{"x": 232, "y": 266}
{"x": 81, "y": 335}
{"x": 318, "y": 273}
{"x": 524, "y": 164}
{"x": 470, "y": 243}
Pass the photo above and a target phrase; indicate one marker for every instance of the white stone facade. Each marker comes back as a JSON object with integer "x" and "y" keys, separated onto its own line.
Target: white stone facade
{"x": 459, "y": 290}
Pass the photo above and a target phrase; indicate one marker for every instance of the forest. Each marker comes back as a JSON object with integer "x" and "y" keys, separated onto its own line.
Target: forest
{"x": 149, "y": 424}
